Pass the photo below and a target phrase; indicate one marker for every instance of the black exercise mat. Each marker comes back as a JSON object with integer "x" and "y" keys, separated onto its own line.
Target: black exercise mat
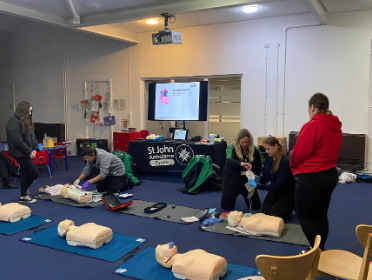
{"x": 61, "y": 200}
{"x": 292, "y": 233}
{"x": 169, "y": 213}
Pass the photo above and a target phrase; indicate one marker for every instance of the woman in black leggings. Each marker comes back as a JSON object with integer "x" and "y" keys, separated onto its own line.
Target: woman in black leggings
{"x": 242, "y": 155}
{"x": 313, "y": 162}
{"x": 23, "y": 147}
{"x": 277, "y": 179}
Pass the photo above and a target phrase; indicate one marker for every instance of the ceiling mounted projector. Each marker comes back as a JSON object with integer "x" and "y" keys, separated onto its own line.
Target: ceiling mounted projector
{"x": 167, "y": 36}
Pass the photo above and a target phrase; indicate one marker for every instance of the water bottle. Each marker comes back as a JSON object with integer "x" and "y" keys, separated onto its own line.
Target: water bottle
{"x": 45, "y": 140}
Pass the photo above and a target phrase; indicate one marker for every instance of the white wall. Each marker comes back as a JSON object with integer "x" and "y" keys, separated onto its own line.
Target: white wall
{"x": 35, "y": 63}
{"x": 332, "y": 59}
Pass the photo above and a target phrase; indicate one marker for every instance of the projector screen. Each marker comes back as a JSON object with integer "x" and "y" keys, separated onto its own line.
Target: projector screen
{"x": 178, "y": 101}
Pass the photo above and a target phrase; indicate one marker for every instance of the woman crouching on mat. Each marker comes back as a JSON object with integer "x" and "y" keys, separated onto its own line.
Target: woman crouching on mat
{"x": 105, "y": 169}
{"x": 242, "y": 155}
{"x": 278, "y": 180}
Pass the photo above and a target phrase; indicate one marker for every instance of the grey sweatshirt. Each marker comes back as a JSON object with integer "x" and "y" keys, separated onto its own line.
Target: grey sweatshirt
{"x": 108, "y": 165}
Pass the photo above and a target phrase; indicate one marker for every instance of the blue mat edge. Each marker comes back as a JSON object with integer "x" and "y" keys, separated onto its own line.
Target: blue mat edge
{"x": 130, "y": 252}
{"x": 126, "y": 260}
{"x": 33, "y": 227}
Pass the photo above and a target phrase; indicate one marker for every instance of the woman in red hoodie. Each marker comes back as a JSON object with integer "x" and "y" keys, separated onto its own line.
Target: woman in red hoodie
{"x": 313, "y": 162}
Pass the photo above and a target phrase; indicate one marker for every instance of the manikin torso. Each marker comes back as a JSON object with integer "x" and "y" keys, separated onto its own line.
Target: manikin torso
{"x": 87, "y": 235}
{"x": 14, "y": 212}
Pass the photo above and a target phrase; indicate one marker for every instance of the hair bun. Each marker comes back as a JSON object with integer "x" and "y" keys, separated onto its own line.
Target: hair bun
{"x": 87, "y": 144}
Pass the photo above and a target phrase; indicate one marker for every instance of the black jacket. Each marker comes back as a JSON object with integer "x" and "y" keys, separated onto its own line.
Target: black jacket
{"x": 281, "y": 181}
{"x": 20, "y": 144}
{"x": 232, "y": 170}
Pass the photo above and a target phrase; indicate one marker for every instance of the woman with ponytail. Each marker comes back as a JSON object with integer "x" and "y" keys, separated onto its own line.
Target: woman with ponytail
{"x": 313, "y": 163}
{"x": 278, "y": 180}
{"x": 23, "y": 147}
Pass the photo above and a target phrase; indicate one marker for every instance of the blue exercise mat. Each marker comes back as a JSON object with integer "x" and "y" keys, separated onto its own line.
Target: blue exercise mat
{"x": 119, "y": 246}
{"x": 145, "y": 267}
{"x": 28, "y": 223}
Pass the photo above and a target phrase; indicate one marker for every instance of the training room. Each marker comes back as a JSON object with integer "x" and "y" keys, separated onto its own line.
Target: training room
{"x": 213, "y": 108}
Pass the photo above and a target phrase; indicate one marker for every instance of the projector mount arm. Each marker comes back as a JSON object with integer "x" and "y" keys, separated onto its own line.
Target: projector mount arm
{"x": 166, "y": 17}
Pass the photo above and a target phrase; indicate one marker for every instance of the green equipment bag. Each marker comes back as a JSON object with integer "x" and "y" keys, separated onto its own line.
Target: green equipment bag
{"x": 129, "y": 167}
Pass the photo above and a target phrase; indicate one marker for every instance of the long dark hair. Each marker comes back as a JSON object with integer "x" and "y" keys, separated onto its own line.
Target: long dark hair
{"x": 321, "y": 102}
{"x": 87, "y": 149}
{"x": 23, "y": 110}
{"x": 272, "y": 141}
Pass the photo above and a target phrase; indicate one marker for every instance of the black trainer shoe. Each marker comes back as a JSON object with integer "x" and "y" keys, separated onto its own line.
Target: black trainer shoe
{"x": 10, "y": 186}
{"x": 27, "y": 199}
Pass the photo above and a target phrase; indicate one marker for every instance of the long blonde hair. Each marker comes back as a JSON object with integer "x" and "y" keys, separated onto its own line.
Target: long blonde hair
{"x": 239, "y": 135}
{"x": 272, "y": 141}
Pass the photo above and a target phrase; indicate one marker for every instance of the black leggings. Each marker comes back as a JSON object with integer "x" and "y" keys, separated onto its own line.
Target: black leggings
{"x": 111, "y": 184}
{"x": 29, "y": 173}
{"x": 4, "y": 168}
{"x": 313, "y": 196}
{"x": 279, "y": 204}
{"x": 230, "y": 193}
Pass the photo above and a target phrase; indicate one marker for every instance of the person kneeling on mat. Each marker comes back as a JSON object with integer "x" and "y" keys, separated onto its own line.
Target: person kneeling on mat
{"x": 105, "y": 169}
{"x": 277, "y": 179}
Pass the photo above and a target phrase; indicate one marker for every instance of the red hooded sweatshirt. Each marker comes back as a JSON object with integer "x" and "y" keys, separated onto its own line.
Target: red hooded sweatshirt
{"x": 318, "y": 144}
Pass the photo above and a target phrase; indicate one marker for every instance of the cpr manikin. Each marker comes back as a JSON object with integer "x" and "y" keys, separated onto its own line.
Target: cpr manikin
{"x": 13, "y": 212}
{"x": 76, "y": 194}
{"x": 195, "y": 264}
{"x": 87, "y": 235}
{"x": 256, "y": 224}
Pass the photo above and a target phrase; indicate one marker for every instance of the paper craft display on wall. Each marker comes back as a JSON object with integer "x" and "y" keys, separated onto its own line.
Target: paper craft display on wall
{"x": 98, "y": 122}
{"x": 110, "y": 120}
{"x": 97, "y": 103}
{"x": 94, "y": 117}
{"x": 84, "y": 104}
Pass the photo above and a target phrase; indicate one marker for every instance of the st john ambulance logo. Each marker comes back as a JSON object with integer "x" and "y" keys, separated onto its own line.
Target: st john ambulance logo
{"x": 183, "y": 154}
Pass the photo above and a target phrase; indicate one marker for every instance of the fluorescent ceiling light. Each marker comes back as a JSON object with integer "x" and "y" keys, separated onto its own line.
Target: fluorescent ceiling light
{"x": 250, "y": 9}
{"x": 152, "y": 21}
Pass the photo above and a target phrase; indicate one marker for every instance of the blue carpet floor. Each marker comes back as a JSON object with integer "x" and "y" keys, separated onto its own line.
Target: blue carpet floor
{"x": 350, "y": 206}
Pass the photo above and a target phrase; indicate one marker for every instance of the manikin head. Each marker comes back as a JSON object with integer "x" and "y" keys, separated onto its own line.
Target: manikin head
{"x": 164, "y": 254}
{"x": 234, "y": 217}
{"x": 64, "y": 226}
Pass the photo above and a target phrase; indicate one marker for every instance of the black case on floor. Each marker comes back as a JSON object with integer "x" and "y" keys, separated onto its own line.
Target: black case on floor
{"x": 112, "y": 203}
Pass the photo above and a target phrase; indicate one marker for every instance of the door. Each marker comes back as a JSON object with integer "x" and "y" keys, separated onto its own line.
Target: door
{"x": 6, "y": 108}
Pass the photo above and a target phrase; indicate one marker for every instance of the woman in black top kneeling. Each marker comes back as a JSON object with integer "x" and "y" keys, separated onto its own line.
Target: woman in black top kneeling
{"x": 278, "y": 180}
{"x": 242, "y": 155}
